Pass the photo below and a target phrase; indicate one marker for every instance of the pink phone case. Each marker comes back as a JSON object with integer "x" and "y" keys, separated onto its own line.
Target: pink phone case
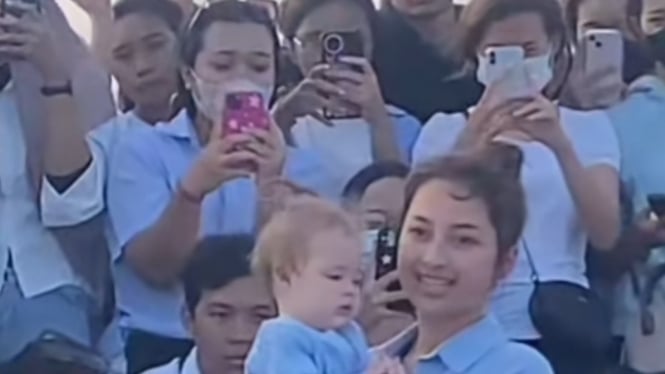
{"x": 245, "y": 111}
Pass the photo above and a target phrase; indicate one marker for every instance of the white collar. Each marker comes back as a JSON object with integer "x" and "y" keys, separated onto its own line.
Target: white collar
{"x": 191, "y": 365}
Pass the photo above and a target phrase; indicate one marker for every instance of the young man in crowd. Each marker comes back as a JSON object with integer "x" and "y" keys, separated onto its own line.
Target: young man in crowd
{"x": 52, "y": 275}
{"x": 415, "y": 58}
{"x": 225, "y": 307}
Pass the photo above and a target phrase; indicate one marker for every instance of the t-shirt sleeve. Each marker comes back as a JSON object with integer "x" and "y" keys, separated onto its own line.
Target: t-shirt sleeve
{"x": 438, "y": 137}
{"x": 407, "y": 128}
{"x": 281, "y": 348}
{"x": 594, "y": 139}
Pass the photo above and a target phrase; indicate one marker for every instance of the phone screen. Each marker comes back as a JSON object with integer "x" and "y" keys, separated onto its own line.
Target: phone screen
{"x": 244, "y": 111}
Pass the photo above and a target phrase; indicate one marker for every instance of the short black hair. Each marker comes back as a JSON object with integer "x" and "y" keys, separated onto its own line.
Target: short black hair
{"x": 217, "y": 262}
{"x": 356, "y": 187}
{"x": 167, "y": 11}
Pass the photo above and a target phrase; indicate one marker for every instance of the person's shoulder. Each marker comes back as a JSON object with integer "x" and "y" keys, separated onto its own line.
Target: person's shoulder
{"x": 284, "y": 329}
{"x": 108, "y": 134}
{"x": 586, "y": 125}
{"x": 438, "y": 136}
{"x": 529, "y": 360}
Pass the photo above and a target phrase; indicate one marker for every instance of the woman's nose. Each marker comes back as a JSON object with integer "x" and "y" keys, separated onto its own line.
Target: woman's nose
{"x": 435, "y": 254}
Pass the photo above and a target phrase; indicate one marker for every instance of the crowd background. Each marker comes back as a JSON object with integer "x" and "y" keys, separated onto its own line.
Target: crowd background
{"x": 405, "y": 197}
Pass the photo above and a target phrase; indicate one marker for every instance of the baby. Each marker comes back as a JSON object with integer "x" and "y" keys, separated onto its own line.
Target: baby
{"x": 311, "y": 252}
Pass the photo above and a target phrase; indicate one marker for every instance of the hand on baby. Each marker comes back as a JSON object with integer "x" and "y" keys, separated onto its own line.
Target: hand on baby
{"x": 386, "y": 365}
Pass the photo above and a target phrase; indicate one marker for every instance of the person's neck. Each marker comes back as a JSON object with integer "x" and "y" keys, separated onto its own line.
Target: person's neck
{"x": 202, "y": 127}
{"x": 433, "y": 331}
{"x": 154, "y": 114}
{"x": 439, "y": 30}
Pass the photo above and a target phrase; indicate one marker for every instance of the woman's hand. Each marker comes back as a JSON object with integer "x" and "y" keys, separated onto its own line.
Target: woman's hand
{"x": 223, "y": 159}
{"x": 308, "y": 98}
{"x": 380, "y": 322}
{"x": 269, "y": 148}
{"x": 360, "y": 87}
{"x": 28, "y": 39}
{"x": 540, "y": 120}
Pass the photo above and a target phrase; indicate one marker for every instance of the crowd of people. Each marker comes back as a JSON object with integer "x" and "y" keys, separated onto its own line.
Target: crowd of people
{"x": 333, "y": 187}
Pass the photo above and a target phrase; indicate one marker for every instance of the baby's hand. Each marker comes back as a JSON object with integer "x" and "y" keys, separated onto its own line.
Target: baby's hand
{"x": 386, "y": 365}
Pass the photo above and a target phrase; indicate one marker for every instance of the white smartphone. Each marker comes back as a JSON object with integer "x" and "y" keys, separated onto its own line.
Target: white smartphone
{"x": 507, "y": 69}
{"x": 603, "y": 50}
{"x": 501, "y": 60}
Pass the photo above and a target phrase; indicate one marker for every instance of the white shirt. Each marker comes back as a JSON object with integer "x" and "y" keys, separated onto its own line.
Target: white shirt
{"x": 190, "y": 366}
{"x": 554, "y": 233}
{"x": 38, "y": 261}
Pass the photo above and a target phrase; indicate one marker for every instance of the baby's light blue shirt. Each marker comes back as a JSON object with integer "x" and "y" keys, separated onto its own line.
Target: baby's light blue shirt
{"x": 285, "y": 345}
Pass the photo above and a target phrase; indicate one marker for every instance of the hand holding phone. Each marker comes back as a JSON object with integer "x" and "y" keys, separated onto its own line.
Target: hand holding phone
{"x": 335, "y": 46}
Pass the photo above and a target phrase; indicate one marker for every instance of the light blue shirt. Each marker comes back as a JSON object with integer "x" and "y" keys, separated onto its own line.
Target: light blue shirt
{"x": 285, "y": 345}
{"x": 145, "y": 171}
{"x": 481, "y": 348}
{"x": 639, "y": 122}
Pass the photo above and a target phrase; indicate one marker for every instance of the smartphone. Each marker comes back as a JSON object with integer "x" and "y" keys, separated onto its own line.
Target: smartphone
{"x": 334, "y": 46}
{"x": 507, "y": 68}
{"x": 386, "y": 252}
{"x": 657, "y": 205}
{"x": 17, "y": 8}
{"x": 603, "y": 50}
{"x": 244, "y": 111}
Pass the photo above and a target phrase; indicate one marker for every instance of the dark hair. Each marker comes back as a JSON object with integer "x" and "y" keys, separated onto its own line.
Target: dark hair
{"x": 293, "y": 12}
{"x": 235, "y": 11}
{"x": 491, "y": 175}
{"x": 478, "y": 16}
{"x": 217, "y": 262}
{"x": 167, "y": 11}
{"x": 356, "y": 187}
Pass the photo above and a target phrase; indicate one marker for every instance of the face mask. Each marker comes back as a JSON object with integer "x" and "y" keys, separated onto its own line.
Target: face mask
{"x": 637, "y": 61}
{"x": 539, "y": 69}
{"x": 210, "y": 97}
{"x": 657, "y": 43}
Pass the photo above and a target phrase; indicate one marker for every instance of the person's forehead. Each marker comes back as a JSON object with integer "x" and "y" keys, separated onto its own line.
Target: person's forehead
{"x": 604, "y": 11}
{"x": 135, "y": 27}
{"x": 654, "y": 6}
{"x": 448, "y": 203}
{"x": 232, "y": 36}
{"x": 333, "y": 16}
{"x": 519, "y": 29}
{"x": 242, "y": 293}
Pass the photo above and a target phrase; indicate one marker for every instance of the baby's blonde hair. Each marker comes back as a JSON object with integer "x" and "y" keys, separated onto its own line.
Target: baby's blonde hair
{"x": 284, "y": 244}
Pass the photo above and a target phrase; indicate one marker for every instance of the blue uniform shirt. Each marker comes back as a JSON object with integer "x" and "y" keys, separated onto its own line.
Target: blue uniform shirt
{"x": 481, "y": 348}
{"x": 144, "y": 174}
{"x": 285, "y": 345}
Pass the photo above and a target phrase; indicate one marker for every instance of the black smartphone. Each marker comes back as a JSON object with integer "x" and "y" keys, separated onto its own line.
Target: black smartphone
{"x": 386, "y": 262}
{"x": 657, "y": 205}
{"x": 334, "y": 46}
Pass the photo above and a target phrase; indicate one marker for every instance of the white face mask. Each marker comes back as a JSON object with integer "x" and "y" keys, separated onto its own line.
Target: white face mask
{"x": 538, "y": 68}
{"x": 210, "y": 98}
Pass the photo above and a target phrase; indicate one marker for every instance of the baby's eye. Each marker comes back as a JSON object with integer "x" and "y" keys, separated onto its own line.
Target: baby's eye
{"x": 334, "y": 277}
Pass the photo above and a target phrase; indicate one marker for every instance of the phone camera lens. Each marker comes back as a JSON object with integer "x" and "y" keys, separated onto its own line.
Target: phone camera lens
{"x": 492, "y": 57}
{"x": 333, "y": 44}
{"x": 599, "y": 44}
{"x": 233, "y": 102}
{"x": 592, "y": 38}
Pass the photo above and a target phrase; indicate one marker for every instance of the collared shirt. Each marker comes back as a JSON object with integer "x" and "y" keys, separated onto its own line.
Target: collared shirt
{"x": 640, "y": 127}
{"x": 481, "y": 348}
{"x": 145, "y": 173}
{"x": 346, "y": 148}
{"x": 554, "y": 233}
{"x": 177, "y": 366}
{"x": 37, "y": 258}
{"x": 285, "y": 345}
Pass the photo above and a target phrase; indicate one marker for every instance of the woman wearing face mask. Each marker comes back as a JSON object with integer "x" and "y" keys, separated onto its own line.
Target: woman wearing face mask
{"x": 360, "y": 129}
{"x": 188, "y": 178}
{"x": 570, "y": 163}
{"x": 464, "y": 216}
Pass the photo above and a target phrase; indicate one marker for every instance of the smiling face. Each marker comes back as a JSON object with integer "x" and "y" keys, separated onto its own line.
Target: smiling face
{"x": 448, "y": 257}
{"x": 325, "y": 291}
